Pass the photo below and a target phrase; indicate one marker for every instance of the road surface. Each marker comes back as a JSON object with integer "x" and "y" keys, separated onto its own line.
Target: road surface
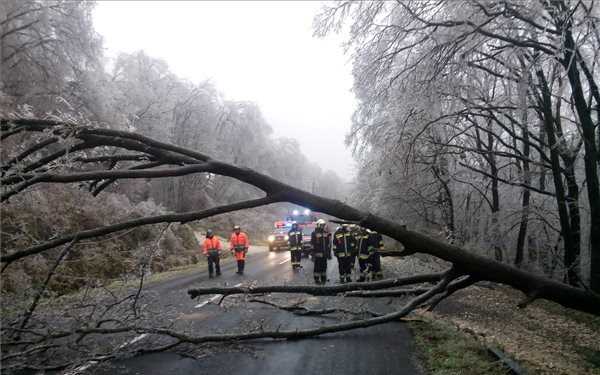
{"x": 384, "y": 349}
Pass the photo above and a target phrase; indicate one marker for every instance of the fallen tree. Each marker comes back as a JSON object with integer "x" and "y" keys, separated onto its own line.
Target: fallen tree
{"x": 79, "y": 158}
{"x": 188, "y": 162}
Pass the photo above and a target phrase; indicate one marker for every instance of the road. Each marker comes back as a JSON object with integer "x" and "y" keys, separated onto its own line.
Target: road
{"x": 376, "y": 350}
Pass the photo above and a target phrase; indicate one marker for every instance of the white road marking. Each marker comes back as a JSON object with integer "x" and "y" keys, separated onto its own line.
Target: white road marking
{"x": 213, "y": 298}
{"x": 208, "y": 301}
{"x": 285, "y": 260}
{"x": 81, "y": 368}
{"x": 133, "y": 340}
{"x": 91, "y": 363}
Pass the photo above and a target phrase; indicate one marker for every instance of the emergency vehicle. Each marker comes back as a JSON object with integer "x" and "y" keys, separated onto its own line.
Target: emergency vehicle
{"x": 278, "y": 239}
{"x": 306, "y": 221}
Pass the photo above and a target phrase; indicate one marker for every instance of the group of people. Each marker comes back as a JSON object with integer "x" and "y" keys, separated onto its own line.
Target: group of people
{"x": 238, "y": 245}
{"x": 346, "y": 245}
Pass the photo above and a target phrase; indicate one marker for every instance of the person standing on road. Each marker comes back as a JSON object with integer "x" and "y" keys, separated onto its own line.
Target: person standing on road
{"x": 320, "y": 252}
{"x": 362, "y": 247}
{"x": 376, "y": 245}
{"x": 353, "y": 228}
{"x": 343, "y": 249}
{"x": 212, "y": 250}
{"x": 239, "y": 244}
{"x": 295, "y": 245}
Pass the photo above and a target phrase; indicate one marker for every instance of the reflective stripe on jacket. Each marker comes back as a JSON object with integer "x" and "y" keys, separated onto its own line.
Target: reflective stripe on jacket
{"x": 362, "y": 244}
{"x": 211, "y": 243}
{"x": 239, "y": 241}
{"x": 320, "y": 242}
{"x": 295, "y": 239}
{"x": 343, "y": 242}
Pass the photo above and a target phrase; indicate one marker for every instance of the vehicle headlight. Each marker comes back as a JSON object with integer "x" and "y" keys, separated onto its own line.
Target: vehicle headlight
{"x": 286, "y": 237}
{"x": 271, "y": 238}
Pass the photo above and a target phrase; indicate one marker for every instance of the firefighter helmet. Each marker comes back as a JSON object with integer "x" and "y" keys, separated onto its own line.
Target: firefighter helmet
{"x": 236, "y": 227}
{"x": 320, "y": 223}
{"x": 209, "y": 233}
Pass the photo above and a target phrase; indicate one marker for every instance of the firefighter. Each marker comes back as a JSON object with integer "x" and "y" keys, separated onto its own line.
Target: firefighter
{"x": 364, "y": 249}
{"x": 295, "y": 245}
{"x": 239, "y": 244}
{"x": 353, "y": 228}
{"x": 212, "y": 250}
{"x": 376, "y": 244}
{"x": 343, "y": 249}
{"x": 320, "y": 251}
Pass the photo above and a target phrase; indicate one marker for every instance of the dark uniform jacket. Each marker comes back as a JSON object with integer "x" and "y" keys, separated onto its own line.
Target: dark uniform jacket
{"x": 343, "y": 243}
{"x": 376, "y": 241}
{"x": 362, "y": 244}
{"x": 295, "y": 239}
{"x": 320, "y": 242}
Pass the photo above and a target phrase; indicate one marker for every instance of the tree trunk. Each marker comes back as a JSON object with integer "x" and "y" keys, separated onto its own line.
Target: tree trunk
{"x": 525, "y": 201}
{"x": 495, "y": 199}
{"x": 464, "y": 261}
{"x": 548, "y": 120}
{"x": 591, "y": 153}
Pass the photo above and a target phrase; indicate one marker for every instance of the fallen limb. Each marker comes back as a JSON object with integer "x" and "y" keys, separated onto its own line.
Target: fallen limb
{"x": 452, "y": 287}
{"x": 301, "y": 310}
{"x": 316, "y": 290}
{"x": 168, "y": 218}
{"x": 295, "y": 334}
{"x": 480, "y": 267}
{"x": 386, "y": 293}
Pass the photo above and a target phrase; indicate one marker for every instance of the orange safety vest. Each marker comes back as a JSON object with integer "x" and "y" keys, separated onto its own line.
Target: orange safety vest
{"x": 212, "y": 243}
{"x": 239, "y": 243}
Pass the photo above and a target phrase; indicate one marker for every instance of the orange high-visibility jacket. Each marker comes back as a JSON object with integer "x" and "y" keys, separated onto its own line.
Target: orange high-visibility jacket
{"x": 212, "y": 243}
{"x": 239, "y": 241}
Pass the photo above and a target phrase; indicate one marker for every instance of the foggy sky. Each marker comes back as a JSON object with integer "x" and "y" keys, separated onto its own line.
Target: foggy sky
{"x": 258, "y": 51}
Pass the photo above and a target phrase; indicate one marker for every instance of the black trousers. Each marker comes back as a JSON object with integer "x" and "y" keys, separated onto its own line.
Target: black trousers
{"x": 320, "y": 270}
{"x": 353, "y": 259}
{"x": 213, "y": 260}
{"x": 241, "y": 263}
{"x": 296, "y": 256}
{"x": 375, "y": 260}
{"x": 345, "y": 268}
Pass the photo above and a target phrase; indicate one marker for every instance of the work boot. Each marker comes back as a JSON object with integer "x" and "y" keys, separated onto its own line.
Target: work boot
{"x": 317, "y": 280}
{"x": 218, "y": 273}
{"x": 210, "y": 276}
{"x": 361, "y": 279}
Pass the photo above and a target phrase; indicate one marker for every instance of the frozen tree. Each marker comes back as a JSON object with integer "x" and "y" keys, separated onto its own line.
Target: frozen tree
{"x": 507, "y": 91}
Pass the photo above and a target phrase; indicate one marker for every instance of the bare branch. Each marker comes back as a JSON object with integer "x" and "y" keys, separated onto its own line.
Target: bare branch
{"x": 169, "y": 218}
{"x": 316, "y": 290}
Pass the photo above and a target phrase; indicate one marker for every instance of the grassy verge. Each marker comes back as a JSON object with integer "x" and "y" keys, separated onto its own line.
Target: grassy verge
{"x": 445, "y": 350}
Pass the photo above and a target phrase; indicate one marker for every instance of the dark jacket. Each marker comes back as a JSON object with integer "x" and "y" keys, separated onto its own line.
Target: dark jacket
{"x": 320, "y": 242}
{"x": 295, "y": 239}
{"x": 343, "y": 243}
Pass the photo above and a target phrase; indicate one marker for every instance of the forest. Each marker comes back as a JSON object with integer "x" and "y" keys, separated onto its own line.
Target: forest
{"x": 476, "y": 138}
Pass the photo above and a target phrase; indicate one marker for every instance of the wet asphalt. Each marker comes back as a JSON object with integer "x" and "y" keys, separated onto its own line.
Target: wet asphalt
{"x": 383, "y": 349}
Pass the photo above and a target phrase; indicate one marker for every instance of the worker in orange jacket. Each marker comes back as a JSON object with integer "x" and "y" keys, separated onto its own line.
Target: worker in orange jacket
{"x": 212, "y": 250}
{"x": 239, "y": 244}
